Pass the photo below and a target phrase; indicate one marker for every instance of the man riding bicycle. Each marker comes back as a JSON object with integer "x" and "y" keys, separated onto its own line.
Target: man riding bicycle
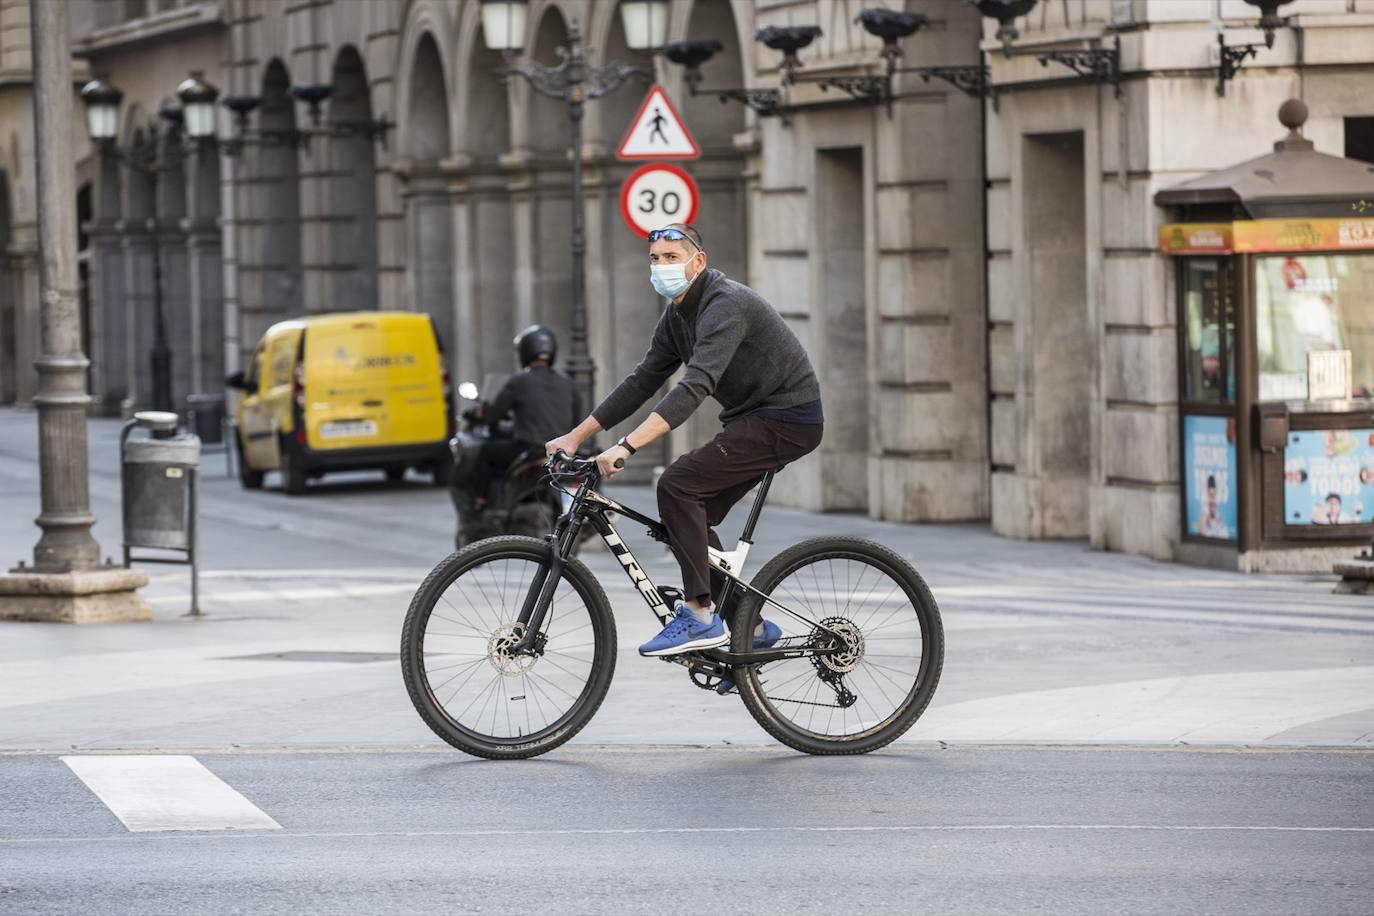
{"x": 736, "y": 347}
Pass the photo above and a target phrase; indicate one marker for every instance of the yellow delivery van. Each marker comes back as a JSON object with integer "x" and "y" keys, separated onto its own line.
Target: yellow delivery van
{"x": 345, "y": 391}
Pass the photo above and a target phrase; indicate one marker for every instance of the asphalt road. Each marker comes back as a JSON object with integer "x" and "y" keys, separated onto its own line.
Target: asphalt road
{"x": 967, "y": 830}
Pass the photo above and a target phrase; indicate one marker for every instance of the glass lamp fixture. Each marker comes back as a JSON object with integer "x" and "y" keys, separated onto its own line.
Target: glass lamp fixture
{"x": 503, "y": 24}
{"x": 645, "y": 22}
{"x": 198, "y": 106}
{"x": 102, "y": 109}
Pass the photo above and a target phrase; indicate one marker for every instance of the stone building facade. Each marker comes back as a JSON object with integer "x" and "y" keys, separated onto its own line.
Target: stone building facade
{"x": 976, "y": 277}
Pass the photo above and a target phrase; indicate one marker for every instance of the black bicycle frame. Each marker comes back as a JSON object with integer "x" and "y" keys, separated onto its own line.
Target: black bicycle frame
{"x": 590, "y": 506}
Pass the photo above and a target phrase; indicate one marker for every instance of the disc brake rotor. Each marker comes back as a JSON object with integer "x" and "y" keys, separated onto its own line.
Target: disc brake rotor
{"x": 499, "y": 654}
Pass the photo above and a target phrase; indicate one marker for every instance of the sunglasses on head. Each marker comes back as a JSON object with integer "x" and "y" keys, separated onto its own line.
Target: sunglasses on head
{"x": 673, "y": 235}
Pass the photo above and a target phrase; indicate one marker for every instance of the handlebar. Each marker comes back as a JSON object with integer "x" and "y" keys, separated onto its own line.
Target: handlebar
{"x": 561, "y": 461}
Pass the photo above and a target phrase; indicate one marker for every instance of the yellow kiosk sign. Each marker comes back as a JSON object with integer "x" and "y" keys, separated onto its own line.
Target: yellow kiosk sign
{"x": 1267, "y": 235}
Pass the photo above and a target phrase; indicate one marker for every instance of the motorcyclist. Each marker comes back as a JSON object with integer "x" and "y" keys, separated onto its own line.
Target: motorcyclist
{"x": 542, "y": 401}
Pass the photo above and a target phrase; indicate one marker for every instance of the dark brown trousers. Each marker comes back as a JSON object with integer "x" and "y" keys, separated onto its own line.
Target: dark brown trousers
{"x": 698, "y": 489}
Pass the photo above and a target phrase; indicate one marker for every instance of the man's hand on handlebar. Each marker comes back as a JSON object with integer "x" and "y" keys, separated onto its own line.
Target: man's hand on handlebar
{"x": 611, "y": 461}
{"x": 567, "y": 443}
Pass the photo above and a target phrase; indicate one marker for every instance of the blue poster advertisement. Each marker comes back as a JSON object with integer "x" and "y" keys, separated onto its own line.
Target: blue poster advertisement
{"x": 1209, "y": 467}
{"x": 1328, "y": 477}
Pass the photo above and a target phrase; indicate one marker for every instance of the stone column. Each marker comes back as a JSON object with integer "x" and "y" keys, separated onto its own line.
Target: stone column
{"x": 429, "y": 247}
{"x": 65, "y": 582}
{"x": 204, "y": 275}
{"x": 137, "y": 245}
{"x": 484, "y": 275}
{"x": 23, "y": 259}
{"x": 109, "y": 332}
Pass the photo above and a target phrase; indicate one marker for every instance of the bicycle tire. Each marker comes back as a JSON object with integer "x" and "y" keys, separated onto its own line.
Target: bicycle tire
{"x": 752, "y": 691}
{"x": 422, "y": 605}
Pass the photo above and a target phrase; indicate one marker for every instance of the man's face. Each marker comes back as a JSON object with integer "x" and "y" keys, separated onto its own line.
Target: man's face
{"x": 665, "y": 251}
{"x": 1333, "y": 507}
{"x": 1211, "y": 500}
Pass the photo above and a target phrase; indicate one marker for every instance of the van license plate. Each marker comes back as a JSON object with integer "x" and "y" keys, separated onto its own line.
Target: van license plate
{"x": 347, "y": 429}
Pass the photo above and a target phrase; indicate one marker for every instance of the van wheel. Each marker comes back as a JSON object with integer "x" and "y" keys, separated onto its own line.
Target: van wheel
{"x": 395, "y": 474}
{"x": 249, "y": 478}
{"x": 292, "y": 468}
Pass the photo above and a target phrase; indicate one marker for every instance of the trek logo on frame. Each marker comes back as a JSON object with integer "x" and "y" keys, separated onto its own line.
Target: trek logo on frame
{"x": 627, "y": 559}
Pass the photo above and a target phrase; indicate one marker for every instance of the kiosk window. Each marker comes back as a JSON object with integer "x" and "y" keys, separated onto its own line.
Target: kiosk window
{"x": 1313, "y": 302}
{"x": 1209, "y": 329}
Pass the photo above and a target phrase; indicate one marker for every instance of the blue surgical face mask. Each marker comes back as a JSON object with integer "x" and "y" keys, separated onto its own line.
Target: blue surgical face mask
{"x": 669, "y": 280}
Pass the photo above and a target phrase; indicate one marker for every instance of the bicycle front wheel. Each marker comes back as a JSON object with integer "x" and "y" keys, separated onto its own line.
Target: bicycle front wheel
{"x": 869, "y": 692}
{"x": 455, "y": 651}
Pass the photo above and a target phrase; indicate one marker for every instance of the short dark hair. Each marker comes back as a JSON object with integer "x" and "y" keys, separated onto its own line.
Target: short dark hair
{"x": 1335, "y": 496}
{"x": 691, "y": 232}
{"x": 1211, "y": 481}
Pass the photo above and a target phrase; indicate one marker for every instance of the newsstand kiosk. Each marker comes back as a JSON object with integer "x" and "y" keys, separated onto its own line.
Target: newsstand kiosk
{"x": 1273, "y": 262}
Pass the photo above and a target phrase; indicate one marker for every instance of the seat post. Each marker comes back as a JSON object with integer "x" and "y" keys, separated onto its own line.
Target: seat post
{"x": 747, "y": 535}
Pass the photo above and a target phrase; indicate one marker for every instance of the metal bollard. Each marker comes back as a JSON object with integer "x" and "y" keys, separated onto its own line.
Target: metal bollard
{"x": 157, "y": 476}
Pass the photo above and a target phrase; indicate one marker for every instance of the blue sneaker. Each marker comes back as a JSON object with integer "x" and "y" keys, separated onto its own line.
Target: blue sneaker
{"x": 771, "y": 634}
{"x": 684, "y": 633}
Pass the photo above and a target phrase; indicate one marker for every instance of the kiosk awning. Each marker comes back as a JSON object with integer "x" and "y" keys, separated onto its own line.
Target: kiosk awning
{"x": 1293, "y": 180}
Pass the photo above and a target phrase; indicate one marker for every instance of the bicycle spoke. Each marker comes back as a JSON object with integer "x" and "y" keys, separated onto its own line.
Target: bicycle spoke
{"x": 851, "y": 597}
{"x": 476, "y": 615}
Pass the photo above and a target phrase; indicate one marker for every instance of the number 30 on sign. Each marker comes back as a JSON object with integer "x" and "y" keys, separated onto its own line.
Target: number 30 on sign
{"x": 655, "y": 195}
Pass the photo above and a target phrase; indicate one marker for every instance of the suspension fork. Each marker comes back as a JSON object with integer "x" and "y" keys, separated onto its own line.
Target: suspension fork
{"x": 545, "y": 581}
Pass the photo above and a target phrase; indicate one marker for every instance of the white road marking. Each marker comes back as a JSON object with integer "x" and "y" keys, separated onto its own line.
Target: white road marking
{"x": 650, "y": 831}
{"x": 150, "y": 793}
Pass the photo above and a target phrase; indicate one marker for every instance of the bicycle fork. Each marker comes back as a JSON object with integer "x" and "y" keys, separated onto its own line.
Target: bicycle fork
{"x": 543, "y": 586}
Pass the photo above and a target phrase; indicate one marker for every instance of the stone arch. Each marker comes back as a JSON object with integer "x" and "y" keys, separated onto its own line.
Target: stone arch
{"x": 548, "y": 117}
{"x": 352, "y": 230}
{"x": 425, "y": 136}
{"x": 138, "y": 201}
{"x": 277, "y": 195}
{"x": 713, "y": 123}
{"x": 610, "y": 115}
{"x": 427, "y": 32}
{"x": 483, "y": 125}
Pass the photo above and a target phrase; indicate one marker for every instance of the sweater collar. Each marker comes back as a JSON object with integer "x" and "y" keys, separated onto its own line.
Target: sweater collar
{"x": 692, "y": 300}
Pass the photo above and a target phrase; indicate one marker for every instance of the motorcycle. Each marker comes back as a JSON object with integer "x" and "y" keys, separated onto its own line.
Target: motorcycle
{"x": 520, "y": 501}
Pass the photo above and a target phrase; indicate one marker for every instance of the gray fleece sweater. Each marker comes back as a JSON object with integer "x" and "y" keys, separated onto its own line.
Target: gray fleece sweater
{"x": 735, "y": 346}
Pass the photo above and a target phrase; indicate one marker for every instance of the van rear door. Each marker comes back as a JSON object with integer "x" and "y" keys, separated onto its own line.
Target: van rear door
{"x": 373, "y": 381}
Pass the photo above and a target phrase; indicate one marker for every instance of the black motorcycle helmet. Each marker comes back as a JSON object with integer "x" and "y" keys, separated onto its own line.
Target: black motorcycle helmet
{"x": 536, "y": 342}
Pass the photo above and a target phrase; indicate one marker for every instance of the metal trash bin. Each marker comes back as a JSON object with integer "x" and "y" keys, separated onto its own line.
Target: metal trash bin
{"x": 157, "y": 473}
{"x": 207, "y": 417}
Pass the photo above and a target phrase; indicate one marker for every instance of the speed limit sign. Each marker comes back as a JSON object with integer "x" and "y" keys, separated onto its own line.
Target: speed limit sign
{"x": 655, "y": 195}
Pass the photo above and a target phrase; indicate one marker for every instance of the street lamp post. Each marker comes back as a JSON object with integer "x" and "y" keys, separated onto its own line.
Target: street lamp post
{"x": 576, "y": 82}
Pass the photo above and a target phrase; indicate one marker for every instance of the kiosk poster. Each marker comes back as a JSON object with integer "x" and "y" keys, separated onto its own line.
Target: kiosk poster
{"x": 1209, "y": 459}
{"x": 1328, "y": 477}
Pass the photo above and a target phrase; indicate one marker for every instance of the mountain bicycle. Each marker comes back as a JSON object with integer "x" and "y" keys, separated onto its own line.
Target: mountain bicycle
{"x": 509, "y": 644}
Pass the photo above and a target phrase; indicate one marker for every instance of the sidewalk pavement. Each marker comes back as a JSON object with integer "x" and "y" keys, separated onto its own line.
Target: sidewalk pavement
{"x": 1047, "y": 642}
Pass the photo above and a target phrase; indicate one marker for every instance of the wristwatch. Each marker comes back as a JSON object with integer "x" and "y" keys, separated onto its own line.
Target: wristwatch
{"x": 625, "y": 444}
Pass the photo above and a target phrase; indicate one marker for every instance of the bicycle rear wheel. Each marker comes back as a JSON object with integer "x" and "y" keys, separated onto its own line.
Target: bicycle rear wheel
{"x": 867, "y": 695}
{"x": 455, "y": 659}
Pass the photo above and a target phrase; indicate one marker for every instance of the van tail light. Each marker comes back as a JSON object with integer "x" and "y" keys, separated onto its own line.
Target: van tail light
{"x": 300, "y": 435}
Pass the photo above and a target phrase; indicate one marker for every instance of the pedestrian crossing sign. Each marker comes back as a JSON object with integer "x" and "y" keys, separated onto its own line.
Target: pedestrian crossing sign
{"x": 658, "y": 131}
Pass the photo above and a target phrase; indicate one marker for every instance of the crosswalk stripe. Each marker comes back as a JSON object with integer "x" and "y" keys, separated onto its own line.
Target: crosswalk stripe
{"x": 167, "y": 792}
